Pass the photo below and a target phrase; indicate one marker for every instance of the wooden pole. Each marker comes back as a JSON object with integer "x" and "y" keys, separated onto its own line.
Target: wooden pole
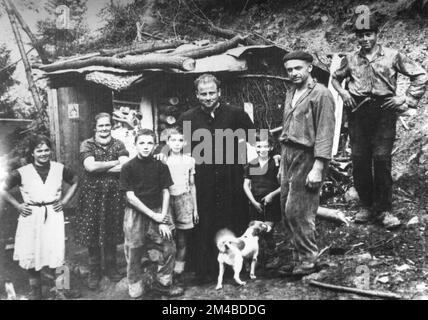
{"x": 372, "y": 293}
{"x": 31, "y": 84}
{"x": 36, "y": 43}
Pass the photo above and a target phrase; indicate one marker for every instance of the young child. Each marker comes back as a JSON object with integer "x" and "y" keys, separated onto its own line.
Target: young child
{"x": 262, "y": 187}
{"x": 183, "y": 194}
{"x": 40, "y": 234}
{"x": 148, "y": 225}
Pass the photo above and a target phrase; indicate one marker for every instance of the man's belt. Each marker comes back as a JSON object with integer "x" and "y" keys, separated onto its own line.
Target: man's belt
{"x": 43, "y": 204}
{"x": 362, "y": 100}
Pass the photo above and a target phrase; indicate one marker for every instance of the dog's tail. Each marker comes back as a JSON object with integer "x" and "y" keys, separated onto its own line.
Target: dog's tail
{"x": 223, "y": 239}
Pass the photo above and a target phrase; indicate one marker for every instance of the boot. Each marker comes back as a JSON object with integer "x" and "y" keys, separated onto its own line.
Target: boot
{"x": 168, "y": 291}
{"x": 35, "y": 288}
{"x": 110, "y": 263}
{"x": 94, "y": 267}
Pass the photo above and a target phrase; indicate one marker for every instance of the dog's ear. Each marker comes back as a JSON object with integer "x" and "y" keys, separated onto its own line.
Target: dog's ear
{"x": 266, "y": 227}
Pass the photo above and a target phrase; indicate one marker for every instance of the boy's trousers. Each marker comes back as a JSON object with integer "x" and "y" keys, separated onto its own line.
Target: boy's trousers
{"x": 142, "y": 238}
{"x": 299, "y": 204}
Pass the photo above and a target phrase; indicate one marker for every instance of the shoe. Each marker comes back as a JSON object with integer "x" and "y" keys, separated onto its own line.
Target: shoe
{"x": 388, "y": 220}
{"x": 136, "y": 290}
{"x": 169, "y": 291}
{"x": 35, "y": 292}
{"x": 178, "y": 278}
{"x": 94, "y": 279}
{"x": 286, "y": 270}
{"x": 363, "y": 216}
{"x": 273, "y": 263}
{"x": 304, "y": 269}
{"x": 64, "y": 294}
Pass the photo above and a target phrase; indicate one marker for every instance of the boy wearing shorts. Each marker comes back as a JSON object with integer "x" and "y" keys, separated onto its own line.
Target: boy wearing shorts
{"x": 183, "y": 194}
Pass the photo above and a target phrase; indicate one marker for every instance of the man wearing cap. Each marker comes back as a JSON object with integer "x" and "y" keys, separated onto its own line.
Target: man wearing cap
{"x": 373, "y": 108}
{"x": 307, "y": 141}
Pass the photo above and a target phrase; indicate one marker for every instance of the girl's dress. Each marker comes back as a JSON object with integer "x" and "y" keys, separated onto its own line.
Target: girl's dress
{"x": 40, "y": 236}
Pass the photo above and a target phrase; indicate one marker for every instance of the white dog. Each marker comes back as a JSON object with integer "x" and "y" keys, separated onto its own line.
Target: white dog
{"x": 234, "y": 250}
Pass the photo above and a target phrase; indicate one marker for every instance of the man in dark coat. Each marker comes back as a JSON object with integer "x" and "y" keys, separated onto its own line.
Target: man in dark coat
{"x": 217, "y": 134}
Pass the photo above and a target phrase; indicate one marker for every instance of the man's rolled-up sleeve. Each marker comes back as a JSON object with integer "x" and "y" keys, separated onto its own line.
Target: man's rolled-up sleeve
{"x": 325, "y": 125}
{"x": 418, "y": 78}
{"x": 343, "y": 71}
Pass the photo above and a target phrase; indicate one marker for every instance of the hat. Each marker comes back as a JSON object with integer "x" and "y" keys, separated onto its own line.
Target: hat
{"x": 364, "y": 24}
{"x": 298, "y": 55}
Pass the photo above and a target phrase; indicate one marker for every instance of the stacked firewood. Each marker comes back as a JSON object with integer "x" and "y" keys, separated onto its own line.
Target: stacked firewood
{"x": 169, "y": 110}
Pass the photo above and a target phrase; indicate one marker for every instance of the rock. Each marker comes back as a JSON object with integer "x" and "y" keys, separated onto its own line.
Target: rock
{"x": 413, "y": 221}
{"x": 403, "y": 267}
{"x": 83, "y": 271}
{"x": 351, "y": 195}
{"x": 384, "y": 279}
{"x": 421, "y": 287}
{"x": 324, "y": 19}
{"x": 315, "y": 276}
{"x": 363, "y": 257}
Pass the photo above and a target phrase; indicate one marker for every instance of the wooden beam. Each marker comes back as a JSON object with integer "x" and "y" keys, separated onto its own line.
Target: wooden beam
{"x": 211, "y": 50}
{"x": 34, "y": 41}
{"x": 153, "y": 61}
{"x": 143, "y": 48}
{"x": 266, "y": 76}
{"x": 372, "y": 293}
{"x": 338, "y": 112}
{"x": 54, "y": 122}
{"x": 28, "y": 72}
{"x": 225, "y": 33}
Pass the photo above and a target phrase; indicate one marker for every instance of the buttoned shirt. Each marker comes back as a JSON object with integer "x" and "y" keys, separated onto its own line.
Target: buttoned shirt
{"x": 378, "y": 76}
{"x": 311, "y": 121}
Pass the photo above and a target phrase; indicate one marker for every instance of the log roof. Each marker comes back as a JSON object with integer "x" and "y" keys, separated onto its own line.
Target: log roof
{"x": 119, "y": 69}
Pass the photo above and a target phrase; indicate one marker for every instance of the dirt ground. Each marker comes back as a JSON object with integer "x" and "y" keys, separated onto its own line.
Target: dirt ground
{"x": 396, "y": 261}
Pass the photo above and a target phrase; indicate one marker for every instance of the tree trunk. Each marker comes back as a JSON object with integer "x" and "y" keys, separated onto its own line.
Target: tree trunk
{"x": 212, "y": 50}
{"x": 155, "y": 61}
{"x": 36, "y": 43}
{"x": 225, "y": 33}
{"x": 31, "y": 84}
{"x": 142, "y": 48}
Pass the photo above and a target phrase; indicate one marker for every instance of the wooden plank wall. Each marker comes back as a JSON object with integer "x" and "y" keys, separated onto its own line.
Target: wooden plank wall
{"x": 91, "y": 100}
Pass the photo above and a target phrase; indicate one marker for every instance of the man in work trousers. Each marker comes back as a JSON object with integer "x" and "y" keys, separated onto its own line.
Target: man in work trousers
{"x": 373, "y": 108}
{"x": 307, "y": 141}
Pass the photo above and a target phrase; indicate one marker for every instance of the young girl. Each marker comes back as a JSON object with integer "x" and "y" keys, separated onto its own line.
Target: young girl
{"x": 262, "y": 187}
{"x": 40, "y": 235}
{"x": 183, "y": 194}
